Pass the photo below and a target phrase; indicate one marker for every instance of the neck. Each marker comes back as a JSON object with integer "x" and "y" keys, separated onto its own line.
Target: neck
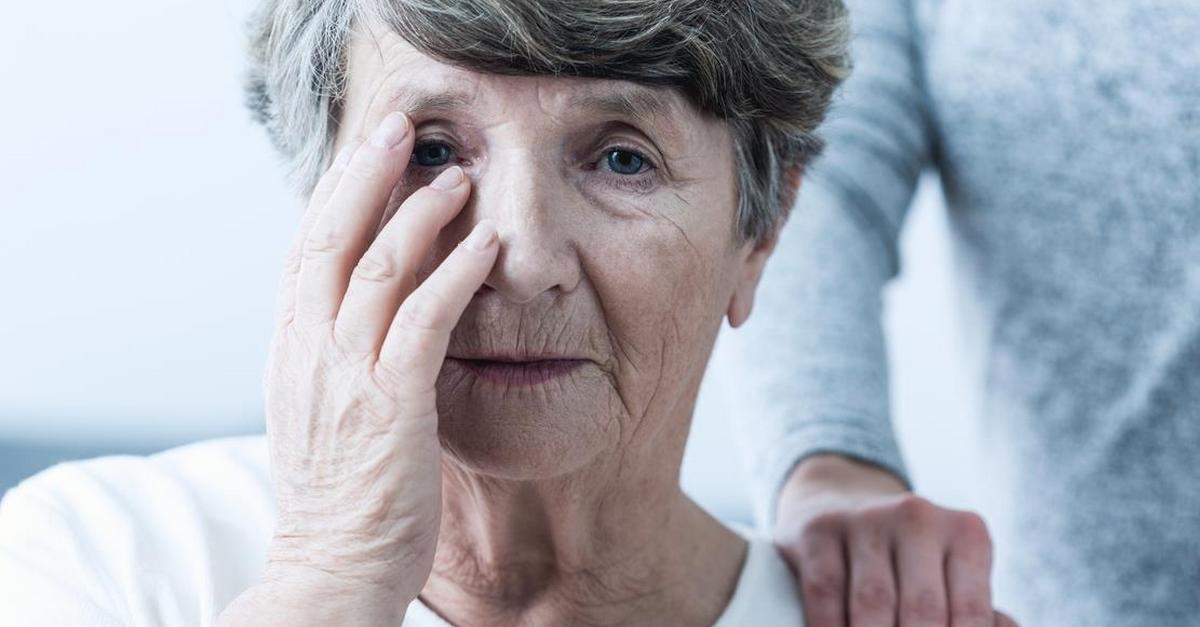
{"x": 573, "y": 550}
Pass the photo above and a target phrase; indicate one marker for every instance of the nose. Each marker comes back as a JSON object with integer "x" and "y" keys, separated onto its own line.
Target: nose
{"x": 530, "y": 209}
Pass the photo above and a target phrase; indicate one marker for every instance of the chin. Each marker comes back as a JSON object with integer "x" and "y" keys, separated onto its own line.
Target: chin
{"x": 525, "y": 429}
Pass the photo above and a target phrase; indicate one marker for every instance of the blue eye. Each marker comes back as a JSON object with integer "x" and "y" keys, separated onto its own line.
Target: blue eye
{"x": 432, "y": 154}
{"x": 626, "y": 162}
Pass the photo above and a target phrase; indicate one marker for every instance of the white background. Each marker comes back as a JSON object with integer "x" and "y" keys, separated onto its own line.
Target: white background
{"x": 143, "y": 221}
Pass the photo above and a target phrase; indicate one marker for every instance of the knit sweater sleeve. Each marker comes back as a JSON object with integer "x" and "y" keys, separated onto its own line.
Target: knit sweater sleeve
{"x": 811, "y": 360}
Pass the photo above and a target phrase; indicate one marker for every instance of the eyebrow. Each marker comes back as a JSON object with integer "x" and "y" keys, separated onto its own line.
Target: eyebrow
{"x": 415, "y": 100}
{"x": 636, "y": 103}
{"x": 642, "y": 104}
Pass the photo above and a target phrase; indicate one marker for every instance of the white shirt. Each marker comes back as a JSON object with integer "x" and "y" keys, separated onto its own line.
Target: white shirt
{"x": 174, "y": 537}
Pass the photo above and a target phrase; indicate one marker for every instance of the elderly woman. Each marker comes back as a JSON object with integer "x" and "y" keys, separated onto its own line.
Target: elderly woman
{"x": 527, "y": 221}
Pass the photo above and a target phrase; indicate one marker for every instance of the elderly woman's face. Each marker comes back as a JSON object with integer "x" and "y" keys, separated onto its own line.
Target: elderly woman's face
{"x": 615, "y": 205}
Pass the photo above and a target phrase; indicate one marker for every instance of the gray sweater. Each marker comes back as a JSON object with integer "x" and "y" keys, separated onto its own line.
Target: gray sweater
{"x": 1067, "y": 137}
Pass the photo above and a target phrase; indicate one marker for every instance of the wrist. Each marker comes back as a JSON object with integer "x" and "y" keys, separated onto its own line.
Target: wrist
{"x": 824, "y": 479}
{"x": 320, "y": 597}
{"x": 333, "y": 576}
{"x": 350, "y": 562}
{"x": 301, "y": 599}
{"x": 833, "y": 469}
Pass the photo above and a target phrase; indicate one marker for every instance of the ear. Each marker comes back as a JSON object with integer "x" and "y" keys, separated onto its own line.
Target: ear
{"x": 754, "y": 255}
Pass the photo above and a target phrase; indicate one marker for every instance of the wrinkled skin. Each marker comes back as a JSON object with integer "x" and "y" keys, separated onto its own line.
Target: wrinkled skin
{"x": 631, "y": 273}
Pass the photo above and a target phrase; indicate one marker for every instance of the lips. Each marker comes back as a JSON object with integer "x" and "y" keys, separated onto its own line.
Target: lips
{"x": 519, "y": 371}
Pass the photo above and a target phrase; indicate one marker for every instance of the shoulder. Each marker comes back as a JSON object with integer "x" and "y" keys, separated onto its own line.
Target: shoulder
{"x": 766, "y": 591}
{"x": 159, "y": 539}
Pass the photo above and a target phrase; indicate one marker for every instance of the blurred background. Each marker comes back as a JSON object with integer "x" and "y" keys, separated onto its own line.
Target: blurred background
{"x": 144, "y": 223}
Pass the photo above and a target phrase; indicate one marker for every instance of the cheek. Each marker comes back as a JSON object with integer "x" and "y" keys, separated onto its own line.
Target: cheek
{"x": 659, "y": 284}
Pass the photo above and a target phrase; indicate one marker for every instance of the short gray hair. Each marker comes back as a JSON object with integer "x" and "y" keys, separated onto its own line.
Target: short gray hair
{"x": 767, "y": 67}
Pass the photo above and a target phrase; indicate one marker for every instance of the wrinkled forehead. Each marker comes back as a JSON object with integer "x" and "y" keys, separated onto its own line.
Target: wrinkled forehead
{"x": 391, "y": 74}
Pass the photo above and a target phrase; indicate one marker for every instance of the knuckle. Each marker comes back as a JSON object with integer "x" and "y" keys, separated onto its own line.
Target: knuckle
{"x": 407, "y": 366}
{"x": 871, "y": 534}
{"x": 926, "y": 606}
{"x": 972, "y": 528}
{"x": 386, "y": 375}
{"x": 823, "y": 586}
{"x": 376, "y": 268}
{"x": 916, "y": 510}
{"x": 874, "y": 595}
{"x": 417, "y": 314}
{"x": 320, "y": 246}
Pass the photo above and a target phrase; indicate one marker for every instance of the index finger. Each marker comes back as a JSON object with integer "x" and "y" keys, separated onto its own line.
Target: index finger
{"x": 286, "y": 298}
{"x": 344, "y": 230}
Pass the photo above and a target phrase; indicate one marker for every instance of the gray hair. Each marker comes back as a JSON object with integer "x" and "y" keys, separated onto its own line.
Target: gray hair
{"x": 767, "y": 67}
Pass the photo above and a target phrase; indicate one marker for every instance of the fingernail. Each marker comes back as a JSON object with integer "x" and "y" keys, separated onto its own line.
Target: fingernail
{"x": 481, "y": 236}
{"x": 448, "y": 179}
{"x": 391, "y": 131}
{"x": 343, "y": 156}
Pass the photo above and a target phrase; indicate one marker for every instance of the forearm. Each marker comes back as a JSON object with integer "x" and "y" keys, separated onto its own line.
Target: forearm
{"x": 811, "y": 361}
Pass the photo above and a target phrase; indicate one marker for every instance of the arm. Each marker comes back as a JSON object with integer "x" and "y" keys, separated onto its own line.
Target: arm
{"x": 812, "y": 353}
{"x": 827, "y": 474}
